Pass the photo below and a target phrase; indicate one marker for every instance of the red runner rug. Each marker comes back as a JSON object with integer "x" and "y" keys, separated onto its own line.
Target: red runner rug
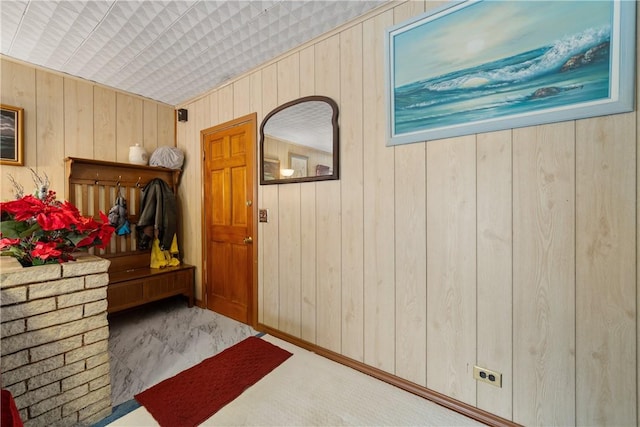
{"x": 194, "y": 395}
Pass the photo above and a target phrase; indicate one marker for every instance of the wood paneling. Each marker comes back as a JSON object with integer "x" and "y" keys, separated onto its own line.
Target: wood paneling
{"x": 605, "y": 276}
{"x": 242, "y": 97}
{"x": 327, "y": 67}
{"x": 166, "y": 126}
{"x": 637, "y": 224}
{"x": 129, "y": 125}
{"x": 328, "y": 239}
{"x": 451, "y": 267}
{"x": 214, "y": 109}
{"x": 288, "y": 78}
{"x": 78, "y": 118}
{"x": 328, "y": 266}
{"x": 255, "y": 100}
{"x": 255, "y": 95}
{"x": 544, "y": 275}
{"x": 269, "y": 237}
{"x": 410, "y": 249}
{"x": 308, "y": 276}
{"x": 271, "y": 280}
{"x": 378, "y": 202}
{"x": 308, "y": 226}
{"x": 191, "y": 189}
{"x": 411, "y": 266}
{"x": 50, "y": 129}
{"x": 225, "y": 103}
{"x": 104, "y": 124}
{"x": 149, "y": 126}
{"x": 289, "y": 259}
{"x": 352, "y": 185}
{"x": 307, "y": 71}
{"x": 494, "y": 260}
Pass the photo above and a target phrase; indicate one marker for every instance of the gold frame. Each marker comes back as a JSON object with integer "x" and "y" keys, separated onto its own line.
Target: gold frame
{"x": 18, "y": 138}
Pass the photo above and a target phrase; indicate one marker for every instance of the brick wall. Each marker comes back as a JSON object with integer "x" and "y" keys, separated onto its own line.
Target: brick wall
{"x": 54, "y": 346}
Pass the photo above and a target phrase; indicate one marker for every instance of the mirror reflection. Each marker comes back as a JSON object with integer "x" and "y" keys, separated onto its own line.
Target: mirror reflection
{"x": 299, "y": 142}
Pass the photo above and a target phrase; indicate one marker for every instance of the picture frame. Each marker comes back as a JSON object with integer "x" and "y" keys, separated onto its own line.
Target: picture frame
{"x": 299, "y": 164}
{"x": 466, "y": 68}
{"x": 271, "y": 168}
{"x": 11, "y": 135}
{"x": 322, "y": 170}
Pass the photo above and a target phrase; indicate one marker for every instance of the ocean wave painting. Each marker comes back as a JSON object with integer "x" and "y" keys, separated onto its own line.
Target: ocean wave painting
{"x": 498, "y": 61}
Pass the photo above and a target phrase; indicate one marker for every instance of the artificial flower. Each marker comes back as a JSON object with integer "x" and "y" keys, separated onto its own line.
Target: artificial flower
{"x": 44, "y": 231}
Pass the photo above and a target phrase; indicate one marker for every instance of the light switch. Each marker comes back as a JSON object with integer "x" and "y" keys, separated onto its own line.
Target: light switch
{"x": 263, "y": 215}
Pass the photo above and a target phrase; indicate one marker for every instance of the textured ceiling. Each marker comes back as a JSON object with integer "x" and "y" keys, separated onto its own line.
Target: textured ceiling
{"x": 170, "y": 51}
{"x": 308, "y": 123}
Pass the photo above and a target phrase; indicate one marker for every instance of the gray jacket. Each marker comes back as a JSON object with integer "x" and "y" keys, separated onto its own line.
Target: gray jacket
{"x": 157, "y": 208}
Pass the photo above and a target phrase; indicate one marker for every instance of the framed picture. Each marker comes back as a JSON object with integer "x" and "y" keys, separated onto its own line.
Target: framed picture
{"x": 271, "y": 168}
{"x": 11, "y": 135}
{"x": 322, "y": 170}
{"x": 480, "y": 66}
{"x": 298, "y": 163}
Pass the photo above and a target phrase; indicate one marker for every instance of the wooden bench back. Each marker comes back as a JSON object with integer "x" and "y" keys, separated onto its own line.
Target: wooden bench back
{"x": 92, "y": 186}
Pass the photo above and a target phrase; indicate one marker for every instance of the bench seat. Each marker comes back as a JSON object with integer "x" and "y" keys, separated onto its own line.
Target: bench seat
{"x": 131, "y": 288}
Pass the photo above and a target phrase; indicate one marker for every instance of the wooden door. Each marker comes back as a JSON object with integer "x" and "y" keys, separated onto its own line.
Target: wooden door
{"x": 229, "y": 189}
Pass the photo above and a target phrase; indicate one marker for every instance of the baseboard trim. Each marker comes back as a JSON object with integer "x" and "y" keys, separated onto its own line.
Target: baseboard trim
{"x": 439, "y": 398}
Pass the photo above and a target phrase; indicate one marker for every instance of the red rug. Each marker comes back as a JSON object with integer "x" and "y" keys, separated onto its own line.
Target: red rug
{"x": 194, "y": 395}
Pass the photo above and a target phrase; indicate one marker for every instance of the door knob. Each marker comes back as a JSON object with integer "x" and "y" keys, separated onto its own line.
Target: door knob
{"x": 248, "y": 239}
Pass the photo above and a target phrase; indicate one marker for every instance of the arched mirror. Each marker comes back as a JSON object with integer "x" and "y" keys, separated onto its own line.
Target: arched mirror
{"x": 299, "y": 142}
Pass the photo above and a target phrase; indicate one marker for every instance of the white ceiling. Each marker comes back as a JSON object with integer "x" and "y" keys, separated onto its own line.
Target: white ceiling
{"x": 169, "y": 51}
{"x": 307, "y": 123}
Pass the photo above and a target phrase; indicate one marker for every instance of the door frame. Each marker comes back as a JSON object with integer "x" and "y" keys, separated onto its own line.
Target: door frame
{"x": 252, "y": 120}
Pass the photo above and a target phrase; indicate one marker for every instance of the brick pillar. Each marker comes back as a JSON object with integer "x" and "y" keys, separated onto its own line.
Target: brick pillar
{"x": 54, "y": 346}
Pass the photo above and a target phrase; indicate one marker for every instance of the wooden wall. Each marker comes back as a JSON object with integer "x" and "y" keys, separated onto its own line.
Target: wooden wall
{"x": 66, "y": 116}
{"x": 279, "y": 149}
{"x": 514, "y": 250}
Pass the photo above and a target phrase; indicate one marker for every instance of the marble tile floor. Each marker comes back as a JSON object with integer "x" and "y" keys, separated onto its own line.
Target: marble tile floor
{"x": 155, "y": 342}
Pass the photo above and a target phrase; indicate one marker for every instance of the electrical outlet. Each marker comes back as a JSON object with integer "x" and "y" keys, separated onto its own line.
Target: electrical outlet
{"x": 487, "y": 376}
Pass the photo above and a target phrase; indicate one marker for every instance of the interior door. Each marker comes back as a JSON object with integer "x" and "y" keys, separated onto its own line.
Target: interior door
{"x": 229, "y": 189}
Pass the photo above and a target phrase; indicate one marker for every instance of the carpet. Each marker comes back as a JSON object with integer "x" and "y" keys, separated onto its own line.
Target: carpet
{"x": 194, "y": 395}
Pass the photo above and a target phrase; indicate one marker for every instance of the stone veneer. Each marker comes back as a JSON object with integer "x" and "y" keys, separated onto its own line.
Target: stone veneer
{"x": 54, "y": 346}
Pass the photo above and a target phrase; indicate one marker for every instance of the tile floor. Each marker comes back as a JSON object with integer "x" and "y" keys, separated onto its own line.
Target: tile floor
{"x": 155, "y": 342}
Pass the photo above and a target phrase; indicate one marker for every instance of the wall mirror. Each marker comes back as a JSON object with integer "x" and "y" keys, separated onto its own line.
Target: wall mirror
{"x": 299, "y": 142}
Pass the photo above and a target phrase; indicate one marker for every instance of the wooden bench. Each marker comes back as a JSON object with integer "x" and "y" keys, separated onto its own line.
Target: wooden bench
{"x": 92, "y": 186}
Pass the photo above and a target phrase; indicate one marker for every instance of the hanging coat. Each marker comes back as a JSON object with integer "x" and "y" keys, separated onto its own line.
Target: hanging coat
{"x": 158, "y": 209}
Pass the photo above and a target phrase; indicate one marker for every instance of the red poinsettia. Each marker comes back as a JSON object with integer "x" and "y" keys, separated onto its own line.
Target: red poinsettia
{"x": 44, "y": 231}
{"x": 46, "y": 250}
